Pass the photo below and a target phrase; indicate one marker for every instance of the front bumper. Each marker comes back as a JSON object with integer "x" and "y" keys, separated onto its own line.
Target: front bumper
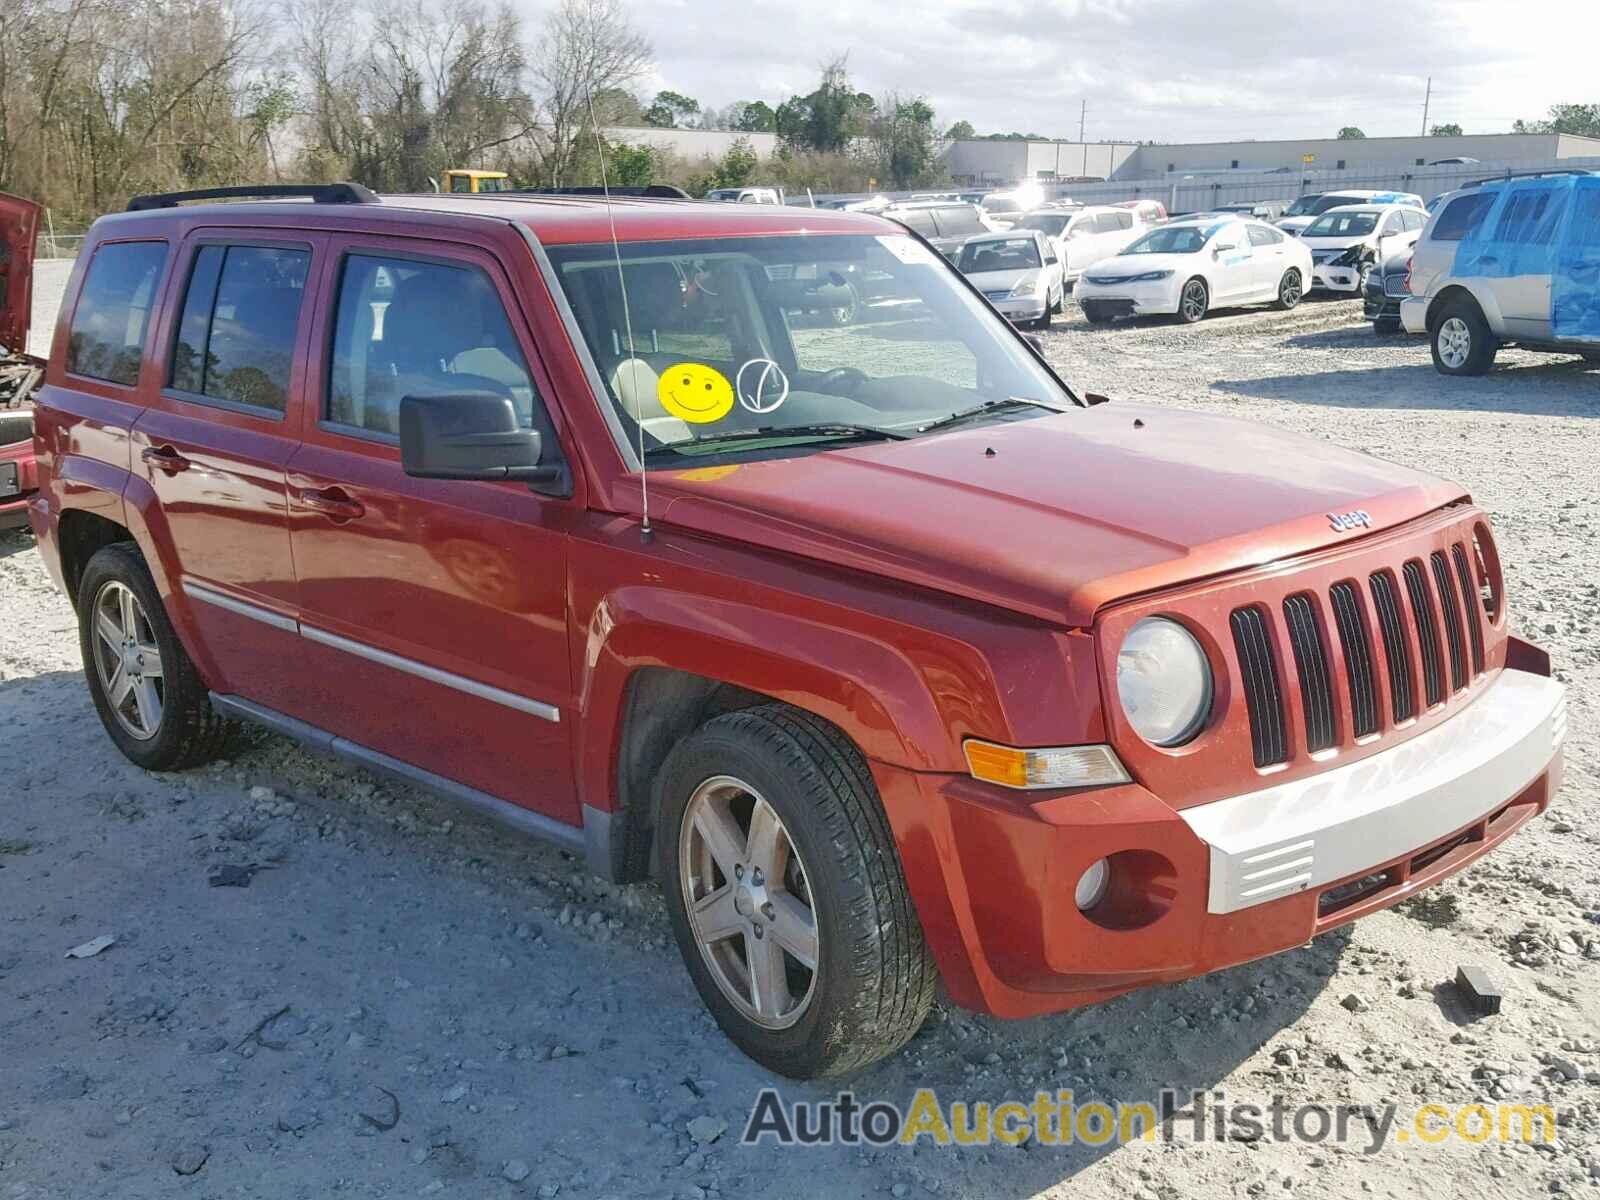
{"x": 1329, "y": 278}
{"x": 1020, "y": 308}
{"x": 1197, "y": 889}
{"x": 1128, "y": 299}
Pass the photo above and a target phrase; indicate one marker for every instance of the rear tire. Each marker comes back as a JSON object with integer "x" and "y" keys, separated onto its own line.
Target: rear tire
{"x": 1291, "y": 289}
{"x": 1194, "y": 301}
{"x": 1461, "y": 340}
{"x": 145, "y": 687}
{"x": 838, "y": 876}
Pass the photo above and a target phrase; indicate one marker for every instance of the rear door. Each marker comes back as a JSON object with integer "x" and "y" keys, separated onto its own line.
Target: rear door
{"x": 1575, "y": 290}
{"x": 213, "y": 442}
{"x": 433, "y": 611}
{"x": 1267, "y": 260}
{"x": 1520, "y": 258}
{"x": 19, "y": 231}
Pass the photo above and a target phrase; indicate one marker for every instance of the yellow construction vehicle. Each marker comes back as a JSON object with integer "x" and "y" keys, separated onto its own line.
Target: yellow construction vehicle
{"x": 476, "y": 181}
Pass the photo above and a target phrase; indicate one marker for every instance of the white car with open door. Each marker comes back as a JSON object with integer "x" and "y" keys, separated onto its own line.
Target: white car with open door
{"x": 1018, "y": 272}
{"x": 1191, "y": 265}
{"x": 1347, "y": 242}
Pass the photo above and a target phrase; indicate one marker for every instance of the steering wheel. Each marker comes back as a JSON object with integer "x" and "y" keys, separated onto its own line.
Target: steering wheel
{"x": 843, "y": 380}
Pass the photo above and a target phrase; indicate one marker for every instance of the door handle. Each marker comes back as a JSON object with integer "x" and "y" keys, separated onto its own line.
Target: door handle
{"x": 332, "y": 502}
{"x": 164, "y": 458}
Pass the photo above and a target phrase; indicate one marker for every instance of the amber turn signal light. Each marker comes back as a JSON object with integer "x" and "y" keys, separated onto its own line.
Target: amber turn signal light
{"x": 1049, "y": 767}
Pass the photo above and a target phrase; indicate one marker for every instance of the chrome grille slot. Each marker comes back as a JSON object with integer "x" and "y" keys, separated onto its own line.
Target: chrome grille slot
{"x": 1311, "y": 661}
{"x": 1396, "y": 649}
{"x": 1357, "y": 658}
{"x": 1263, "y": 700}
{"x": 1427, "y": 632}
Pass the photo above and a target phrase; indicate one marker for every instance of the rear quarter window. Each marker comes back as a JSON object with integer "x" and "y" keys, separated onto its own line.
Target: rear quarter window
{"x": 112, "y": 315}
{"x": 1461, "y": 216}
{"x": 959, "y": 220}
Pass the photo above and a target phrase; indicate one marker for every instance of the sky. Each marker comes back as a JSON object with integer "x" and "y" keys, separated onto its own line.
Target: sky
{"x": 1159, "y": 70}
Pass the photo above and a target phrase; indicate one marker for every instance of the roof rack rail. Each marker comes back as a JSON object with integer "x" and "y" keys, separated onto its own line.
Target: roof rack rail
{"x": 320, "y": 193}
{"x": 1529, "y": 175}
{"x": 652, "y": 191}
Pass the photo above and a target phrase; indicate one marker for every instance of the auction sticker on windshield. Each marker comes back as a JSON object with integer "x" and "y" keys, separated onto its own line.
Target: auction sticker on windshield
{"x": 695, "y": 393}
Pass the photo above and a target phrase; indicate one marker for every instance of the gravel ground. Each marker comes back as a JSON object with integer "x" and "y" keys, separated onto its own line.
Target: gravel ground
{"x": 405, "y": 1001}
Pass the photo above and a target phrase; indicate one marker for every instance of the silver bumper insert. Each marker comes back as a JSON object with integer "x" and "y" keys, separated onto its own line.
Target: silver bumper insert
{"x": 1309, "y": 832}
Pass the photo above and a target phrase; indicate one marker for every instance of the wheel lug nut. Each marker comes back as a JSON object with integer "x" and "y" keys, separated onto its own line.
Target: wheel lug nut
{"x": 738, "y": 870}
{"x": 758, "y": 930}
{"x": 756, "y": 877}
{"x": 768, "y": 911}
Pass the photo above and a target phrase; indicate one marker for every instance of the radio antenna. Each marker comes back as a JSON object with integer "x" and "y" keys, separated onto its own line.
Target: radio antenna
{"x": 645, "y": 533}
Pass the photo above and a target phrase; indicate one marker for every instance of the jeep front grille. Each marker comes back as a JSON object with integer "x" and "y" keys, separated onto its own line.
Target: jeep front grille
{"x": 1412, "y": 613}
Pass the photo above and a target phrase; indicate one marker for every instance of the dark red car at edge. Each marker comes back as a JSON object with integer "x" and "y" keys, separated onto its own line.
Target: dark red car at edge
{"x": 890, "y": 657}
{"x": 19, "y": 371}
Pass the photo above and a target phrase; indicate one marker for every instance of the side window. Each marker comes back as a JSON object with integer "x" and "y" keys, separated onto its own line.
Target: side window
{"x": 1413, "y": 218}
{"x": 460, "y": 183}
{"x": 1462, "y": 216}
{"x": 1124, "y": 220}
{"x": 405, "y": 327}
{"x": 1260, "y": 235}
{"x": 959, "y": 220}
{"x": 920, "y": 219}
{"x": 236, "y": 336}
{"x": 1528, "y": 217}
{"x": 113, "y": 312}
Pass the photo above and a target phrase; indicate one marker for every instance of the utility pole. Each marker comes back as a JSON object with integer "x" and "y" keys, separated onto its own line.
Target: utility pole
{"x": 1083, "y": 115}
{"x": 1426, "y": 100}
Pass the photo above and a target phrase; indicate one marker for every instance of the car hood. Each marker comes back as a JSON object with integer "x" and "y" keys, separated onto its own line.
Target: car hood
{"x": 994, "y": 281}
{"x": 1054, "y": 516}
{"x": 1140, "y": 264}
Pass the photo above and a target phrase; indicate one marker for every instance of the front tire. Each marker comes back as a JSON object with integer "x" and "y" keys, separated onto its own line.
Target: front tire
{"x": 145, "y": 687}
{"x": 1291, "y": 289}
{"x": 1194, "y": 301}
{"x": 786, "y": 894}
{"x": 1462, "y": 341}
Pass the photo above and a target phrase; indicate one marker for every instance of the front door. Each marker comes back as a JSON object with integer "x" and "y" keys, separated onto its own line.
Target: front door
{"x": 213, "y": 443}
{"x": 433, "y": 612}
{"x": 19, "y": 229}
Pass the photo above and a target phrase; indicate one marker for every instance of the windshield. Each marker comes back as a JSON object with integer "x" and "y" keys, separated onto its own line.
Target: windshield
{"x": 992, "y": 254}
{"x": 1356, "y": 224}
{"x": 1173, "y": 239}
{"x": 993, "y": 204}
{"x": 825, "y": 336}
{"x": 1306, "y": 206}
{"x": 1046, "y": 223}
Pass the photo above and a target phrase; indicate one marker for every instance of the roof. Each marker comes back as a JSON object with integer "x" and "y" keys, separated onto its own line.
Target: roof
{"x": 554, "y": 220}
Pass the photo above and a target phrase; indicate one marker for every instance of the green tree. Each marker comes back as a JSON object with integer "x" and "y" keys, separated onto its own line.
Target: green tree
{"x": 1350, "y": 133}
{"x": 828, "y": 119}
{"x": 1448, "y": 130}
{"x": 961, "y": 131}
{"x": 902, "y": 139}
{"x": 754, "y": 116}
{"x": 1581, "y": 119}
{"x": 628, "y": 165}
{"x": 669, "y": 108}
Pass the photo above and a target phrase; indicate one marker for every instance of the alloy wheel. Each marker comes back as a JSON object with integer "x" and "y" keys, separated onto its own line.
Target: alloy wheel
{"x": 1455, "y": 342}
{"x": 1194, "y": 300}
{"x": 128, "y": 661}
{"x": 1289, "y": 289}
{"x": 748, "y": 899}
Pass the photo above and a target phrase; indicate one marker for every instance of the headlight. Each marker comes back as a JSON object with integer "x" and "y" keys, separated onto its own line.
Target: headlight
{"x": 1025, "y": 287}
{"x": 1163, "y": 681}
{"x": 1150, "y": 277}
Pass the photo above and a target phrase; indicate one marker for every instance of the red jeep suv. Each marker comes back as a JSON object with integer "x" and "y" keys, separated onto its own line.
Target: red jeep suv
{"x": 749, "y": 547}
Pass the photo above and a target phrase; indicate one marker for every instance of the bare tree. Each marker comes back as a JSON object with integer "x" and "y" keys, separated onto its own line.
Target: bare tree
{"x": 588, "y": 47}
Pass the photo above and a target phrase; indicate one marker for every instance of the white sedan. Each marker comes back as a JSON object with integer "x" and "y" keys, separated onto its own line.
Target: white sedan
{"x": 1193, "y": 264}
{"x": 1018, "y": 272}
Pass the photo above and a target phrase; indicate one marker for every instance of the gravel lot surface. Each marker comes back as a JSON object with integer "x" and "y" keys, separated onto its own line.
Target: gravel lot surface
{"x": 405, "y": 1001}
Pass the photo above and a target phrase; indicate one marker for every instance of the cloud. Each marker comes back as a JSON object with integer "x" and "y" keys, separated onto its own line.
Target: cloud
{"x": 1163, "y": 70}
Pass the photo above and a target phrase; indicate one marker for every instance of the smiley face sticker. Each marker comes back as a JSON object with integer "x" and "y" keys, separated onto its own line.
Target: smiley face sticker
{"x": 695, "y": 393}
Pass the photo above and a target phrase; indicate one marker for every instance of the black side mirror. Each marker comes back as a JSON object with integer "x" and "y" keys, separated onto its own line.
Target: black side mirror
{"x": 473, "y": 435}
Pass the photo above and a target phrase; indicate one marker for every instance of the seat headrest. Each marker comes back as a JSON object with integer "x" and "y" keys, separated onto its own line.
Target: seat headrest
{"x": 634, "y": 382}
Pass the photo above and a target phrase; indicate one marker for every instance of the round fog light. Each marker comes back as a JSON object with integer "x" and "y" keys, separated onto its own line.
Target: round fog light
{"x": 1092, "y": 885}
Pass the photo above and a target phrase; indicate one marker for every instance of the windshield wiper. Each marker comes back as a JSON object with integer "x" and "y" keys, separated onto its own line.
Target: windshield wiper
{"x": 841, "y": 430}
{"x": 988, "y": 406}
